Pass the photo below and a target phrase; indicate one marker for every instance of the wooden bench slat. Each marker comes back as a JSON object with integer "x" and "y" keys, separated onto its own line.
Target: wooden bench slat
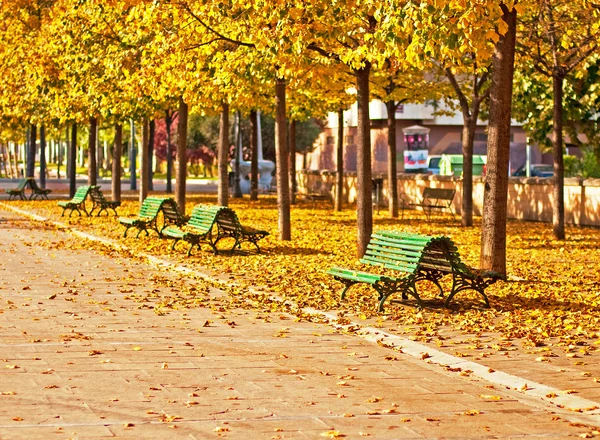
{"x": 378, "y": 249}
{"x": 407, "y": 268}
{"x": 355, "y": 275}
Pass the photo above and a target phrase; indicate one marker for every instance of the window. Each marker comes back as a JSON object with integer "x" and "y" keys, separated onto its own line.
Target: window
{"x": 349, "y": 140}
{"x": 330, "y": 140}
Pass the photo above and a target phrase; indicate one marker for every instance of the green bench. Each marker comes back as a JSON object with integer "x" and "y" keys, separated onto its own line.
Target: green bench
{"x": 410, "y": 258}
{"x": 77, "y": 203}
{"x": 230, "y": 226}
{"x": 101, "y": 203}
{"x": 36, "y": 191}
{"x": 19, "y": 191}
{"x": 148, "y": 217}
{"x": 199, "y": 228}
{"x": 435, "y": 198}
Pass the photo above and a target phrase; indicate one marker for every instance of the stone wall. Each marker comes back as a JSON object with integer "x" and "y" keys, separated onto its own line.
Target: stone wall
{"x": 528, "y": 198}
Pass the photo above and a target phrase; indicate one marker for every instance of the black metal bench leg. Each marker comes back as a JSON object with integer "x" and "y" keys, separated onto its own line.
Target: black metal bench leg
{"x": 406, "y": 286}
{"x": 347, "y": 285}
{"x": 461, "y": 283}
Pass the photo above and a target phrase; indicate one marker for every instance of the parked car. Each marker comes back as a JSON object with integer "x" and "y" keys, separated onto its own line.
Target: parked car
{"x": 542, "y": 170}
{"x": 433, "y": 164}
{"x": 537, "y": 170}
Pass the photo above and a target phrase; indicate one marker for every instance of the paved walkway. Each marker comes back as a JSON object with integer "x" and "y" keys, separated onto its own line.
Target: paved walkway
{"x": 93, "y": 346}
{"x": 60, "y": 187}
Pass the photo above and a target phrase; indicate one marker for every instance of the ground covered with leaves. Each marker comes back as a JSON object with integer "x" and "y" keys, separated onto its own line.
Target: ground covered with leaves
{"x": 547, "y": 309}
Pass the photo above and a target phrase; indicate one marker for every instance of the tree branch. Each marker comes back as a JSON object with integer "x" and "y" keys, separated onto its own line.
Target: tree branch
{"x": 210, "y": 29}
{"x": 323, "y": 52}
{"x": 462, "y": 99}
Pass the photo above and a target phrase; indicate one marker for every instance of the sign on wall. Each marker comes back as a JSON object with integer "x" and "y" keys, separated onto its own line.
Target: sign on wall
{"x": 415, "y": 159}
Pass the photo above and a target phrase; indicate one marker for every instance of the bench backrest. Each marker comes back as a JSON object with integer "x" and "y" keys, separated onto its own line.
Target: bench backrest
{"x": 22, "y": 184}
{"x": 151, "y": 206}
{"x": 228, "y": 222}
{"x": 33, "y": 184}
{"x": 80, "y": 194}
{"x": 433, "y": 195}
{"x": 96, "y": 194}
{"x": 204, "y": 216}
{"x": 171, "y": 212}
{"x": 406, "y": 252}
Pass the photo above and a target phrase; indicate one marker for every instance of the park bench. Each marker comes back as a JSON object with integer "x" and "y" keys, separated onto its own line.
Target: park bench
{"x": 148, "y": 216}
{"x": 77, "y": 203}
{"x": 410, "y": 258}
{"x": 229, "y": 226}
{"x": 436, "y": 198}
{"x": 318, "y": 192}
{"x": 101, "y": 203}
{"x": 36, "y": 191}
{"x": 19, "y": 191}
{"x": 199, "y": 228}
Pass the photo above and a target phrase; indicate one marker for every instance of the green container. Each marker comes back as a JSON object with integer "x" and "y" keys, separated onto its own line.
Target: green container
{"x": 452, "y": 165}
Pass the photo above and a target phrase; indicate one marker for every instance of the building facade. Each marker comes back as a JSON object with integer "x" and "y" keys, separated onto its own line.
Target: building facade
{"x": 445, "y": 134}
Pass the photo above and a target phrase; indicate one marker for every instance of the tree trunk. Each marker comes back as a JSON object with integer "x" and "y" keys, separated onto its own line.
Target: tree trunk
{"x": 237, "y": 153}
{"x": 292, "y": 153}
{"x": 116, "y": 163}
{"x": 168, "y": 121}
{"x": 223, "y": 156}
{"x": 132, "y": 158}
{"x": 60, "y": 155}
{"x": 182, "y": 127}
{"x": 43, "y": 157}
{"x": 364, "y": 203}
{"x": 558, "y": 192}
{"x": 92, "y": 163}
{"x": 14, "y": 165}
{"x": 254, "y": 153}
{"x": 30, "y": 171}
{"x": 145, "y": 160}
{"x": 468, "y": 137}
{"x": 493, "y": 235}
{"x": 339, "y": 166}
{"x": 283, "y": 191}
{"x": 392, "y": 162}
{"x": 151, "y": 135}
{"x": 72, "y": 161}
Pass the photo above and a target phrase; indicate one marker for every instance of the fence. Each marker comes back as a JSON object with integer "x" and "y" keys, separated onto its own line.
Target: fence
{"x": 528, "y": 198}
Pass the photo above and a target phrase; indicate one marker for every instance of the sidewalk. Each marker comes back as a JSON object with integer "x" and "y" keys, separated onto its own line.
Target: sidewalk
{"x": 86, "y": 356}
{"x": 206, "y": 186}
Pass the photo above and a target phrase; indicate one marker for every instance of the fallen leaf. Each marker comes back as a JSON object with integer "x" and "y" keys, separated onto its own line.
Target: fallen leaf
{"x": 332, "y": 434}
